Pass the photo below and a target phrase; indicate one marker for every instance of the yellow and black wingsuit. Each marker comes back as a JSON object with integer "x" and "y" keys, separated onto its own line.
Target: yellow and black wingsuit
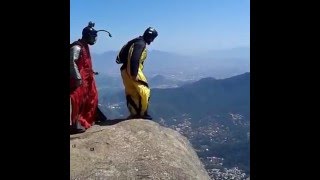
{"x": 136, "y": 85}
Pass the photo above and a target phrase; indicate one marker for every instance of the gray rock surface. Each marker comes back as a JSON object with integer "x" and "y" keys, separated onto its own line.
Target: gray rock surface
{"x": 133, "y": 149}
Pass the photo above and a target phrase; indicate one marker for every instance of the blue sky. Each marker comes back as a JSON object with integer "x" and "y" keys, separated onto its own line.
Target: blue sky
{"x": 184, "y": 26}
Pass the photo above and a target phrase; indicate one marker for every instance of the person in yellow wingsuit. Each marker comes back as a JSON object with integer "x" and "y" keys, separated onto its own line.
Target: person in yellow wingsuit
{"x": 132, "y": 56}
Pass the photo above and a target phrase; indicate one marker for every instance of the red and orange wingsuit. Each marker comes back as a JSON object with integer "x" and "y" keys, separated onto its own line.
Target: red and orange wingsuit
{"x": 84, "y": 98}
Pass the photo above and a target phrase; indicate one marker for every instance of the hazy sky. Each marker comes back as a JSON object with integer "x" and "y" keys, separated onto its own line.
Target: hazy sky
{"x": 184, "y": 26}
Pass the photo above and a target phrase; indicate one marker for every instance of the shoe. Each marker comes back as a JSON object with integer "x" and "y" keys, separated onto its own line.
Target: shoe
{"x": 76, "y": 131}
{"x": 100, "y": 116}
{"x": 77, "y": 128}
{"x": 146, "y": 116}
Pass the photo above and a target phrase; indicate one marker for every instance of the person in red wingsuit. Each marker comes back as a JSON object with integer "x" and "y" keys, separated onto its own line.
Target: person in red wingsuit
{"x": 83, "y": 92}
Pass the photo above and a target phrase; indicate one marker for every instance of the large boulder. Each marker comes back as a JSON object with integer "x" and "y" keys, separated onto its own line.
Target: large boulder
{"x": 133, "y": 149}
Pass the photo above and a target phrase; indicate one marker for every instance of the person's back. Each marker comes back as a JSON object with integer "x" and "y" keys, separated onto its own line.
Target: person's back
{"x": 137, "y": 91}
{"x": 132, "y": 50}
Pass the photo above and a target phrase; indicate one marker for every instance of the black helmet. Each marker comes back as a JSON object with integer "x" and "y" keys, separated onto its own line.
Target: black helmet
{"x": 150, "y": 34}
{"x": 89, "y": 31}
{"x": 89, "y": 34}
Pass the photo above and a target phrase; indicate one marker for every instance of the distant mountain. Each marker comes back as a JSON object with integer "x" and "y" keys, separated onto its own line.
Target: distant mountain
{"x": 107, "y": 81}
{"x": 160, "y": 81}
{"x": 217, "y": 63}
{"x": 207, "y": 96}
{"x": 105, "y": 62}
{"x": 238, "y": 52}
{"x": 158, "y": 62}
